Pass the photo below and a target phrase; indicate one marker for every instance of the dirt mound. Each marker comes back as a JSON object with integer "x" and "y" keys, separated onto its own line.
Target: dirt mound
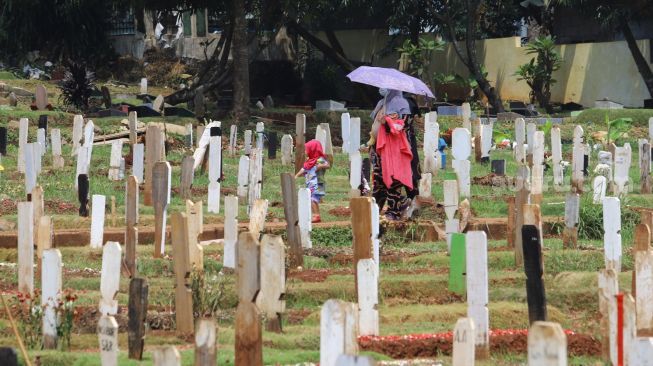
{"x": 501, "y": 341}
{"x": 340, "y": 211}
{"x": 493, "y": 180}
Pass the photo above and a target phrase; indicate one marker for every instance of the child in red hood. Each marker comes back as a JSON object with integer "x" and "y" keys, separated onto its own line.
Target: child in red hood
{"x": 313, "y": 170}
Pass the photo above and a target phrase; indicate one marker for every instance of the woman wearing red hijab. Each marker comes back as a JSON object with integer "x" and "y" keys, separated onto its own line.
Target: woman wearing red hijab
{"x": 313, "y": 170}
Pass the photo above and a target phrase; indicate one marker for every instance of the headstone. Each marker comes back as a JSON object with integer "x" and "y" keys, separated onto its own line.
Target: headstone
{"x": 89, "y": 135}
{"x": 30, "y": 152}
{"x": 599, "y": 185}
{"x": 181, "y": 261}
{"x": 431, "y": 139}
{"x": 51, "y": 282}
{"x": 82, "y": 194}
{"x": 44, "y": 237}
{"x": 368, "y": 297}
{"x": 534, "y": 269}
{"x": 57, "y": 158}
{"x": 464, "y": 342}
{"x": 486, "y": 140}
{"x": 270, "y": 300}
{"x": 351, "y": 360}
{"x": 425, "y": 186}
{"x": 107, "y": 330}
{"x": 273, "y": 142}
{"x": 13, "y": 100}
{"x": 520, "y": 135}
{"x": 608, "y": 289}
{"x": 644, "y": 282}
{"x": 166, "y": 356}
{"x": 41, "y": 139}
{"x": 230, "y": 231}
{"x": 345, "y": 121}
{"x": 41, "y": 98}
{"x": 257, "y": 217}
{"x": 556, "y": 153}
{"x": 233, "y": 137}
{"x": 137, "y": 313}
{"x": 629, "y": 331}
{"x": 462, "y": 148}
{"x": 249, "y": 339}
{"x": 477, "y": 289}
{"x": 290, "y": 210}
{"x": 23, "y": 131}
{"x": 578, "y": 160}
{"x": 157, "y": 104}
{"x": 198, "y": 102}
{"x": 195, "y": 227}
{"x": 531, "y": 128}
{"x": 645, "y": 169}
{"x": 361, "y": 221}
{"x": 612, "y": 233}
{"x": 37, "y": 212}
{"x": 572, "y": 216}
{"x": 131, "y": 221}
{"x": 642, "y": 243}
{"x": 260, "y": 128}
{"x": 143, "y": 86}
{"x": 199, "y": 132}
{"x": 3, "y": 141}
{"x": 248, "y": 280}
{"x": 537, "y": 171}
{"x": 247, "y": 145}
{"x": 521, "y": 198}
{"x": 498, "y": 167}
{"x": 355, "y": 174}
{"x": 622, "y": 160}
{"x": 187, "y": 174}
{"x": 154, "y": 145}
{"x": 8, "y": 356}
{"x": 286, "y": 150}
{"x": 467, "y": 115}
{"x": 132, "y": 121}
{"x": 110, "y": 278}
{"x": 161, "y": 175}
{"x": 206, "y": 337}
{"x": 255, "y": 176}
{"x": 547, "y": 344}
{"x": 354, "y": 134}
{"x": 243, "y": 177}
{"x": 116, "y": 157}
{"x": 78, "y": 133}
{"x": 300, "y": 140}
{"x": 457, "y": 269}
{"x": 98, "y": 205}
{"x": 338, "y": 331}
{"x": 304, "y": 215}
{"x": 137, "y": 162}
{"x": 463, "y": 173}
{"x": 25, "y": 229}
{"x": 328, "y": 145}
{"x": 215, "y": 164}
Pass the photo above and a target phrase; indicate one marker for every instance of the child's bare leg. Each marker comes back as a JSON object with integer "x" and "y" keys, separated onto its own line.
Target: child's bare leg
{"x": 315, "y": 208}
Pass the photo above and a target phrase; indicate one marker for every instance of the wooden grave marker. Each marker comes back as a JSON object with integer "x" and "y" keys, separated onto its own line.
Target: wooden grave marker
{"x": 257, "y": 217}
{"x": 44, "y": 238}
{"x": 183, "y": 294}
{"x": 41, "y": 97}
{"x": 243, "y": 177}
{"x": 116, "y": 157}
{"x": 206, "y": 337}
{"x": 531, "y": 128}
{"x": 645, "y": 170}
{"x": 247, "y": 142}
{"x": 368, "y": 297}
{"x": 612, "y": 233}
{"x": 131, "y": 222}
{"x": 304, "y": 215}
{"x": 110, "y": 278}
{"x": 153, "y": 152}
{"x": 457, "y": 260}
{"x": 450, "y": 190}
{"x": 25, "y": 229}
{"x": 195, "y": 227}
{"x": 572, "y": 216}
{"x": 233, "y": 139}
{"x": 477, "y": 289}
{"x": 57, "y": 158}
{"x": 290, "y": 206}
{"x": 467, "y": 115}
{"x": 361, "y": 221}
{"x": 270, "y": 300}
{"x": 642, "y": 243}
{"x": 578, "y": 160}
{"x": 286, "y": 150}
{"x": 249, "y": 338}
{"x": 132, "y": 121}
{"x": 107, "y": 330}
{"x": 137, "y": 316}
{"x": 161, "y": 174}
{"x": 431, "y": 138}
{"x": 376, "y": 255}
{"x": 51, "y": 281}
{"x": 464, "y": 347}
{"x": 547, "y": 344}
{"x": 629, "y": 331}
{"x": 37, "y": 212}
{"x": 338, "y": 331}
{"x": 215, "y": 165}
{"x": 186, "y": 179}
{"x": 644, "y": 283}
{"x": 608, "y": 289}
{"x": 255, "y": 176}
{"x": 166, "y": 356}
{"x": 30, "y": 169}
{"x": 248, "y": 281}
{"x": 230, "y": 231}
{"x": 98, "y": 205}
{"x": 599, "y": 186}
{"x": 534, "y": 270}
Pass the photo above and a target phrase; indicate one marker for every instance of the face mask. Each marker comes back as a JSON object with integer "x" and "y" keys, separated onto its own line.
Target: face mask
{"x": 383, "y": 92}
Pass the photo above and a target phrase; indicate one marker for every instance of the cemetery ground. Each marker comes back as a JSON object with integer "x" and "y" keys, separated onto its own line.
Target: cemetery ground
{"x": 413, "y": 284}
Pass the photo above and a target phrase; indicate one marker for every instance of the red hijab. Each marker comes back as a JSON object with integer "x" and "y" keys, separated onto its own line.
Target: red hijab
{"x": 313, "y": 152}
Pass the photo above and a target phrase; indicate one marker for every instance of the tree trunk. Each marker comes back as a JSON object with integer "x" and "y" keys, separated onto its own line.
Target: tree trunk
{"x": 640, "y": 61}
{"x": 240, "y": 63}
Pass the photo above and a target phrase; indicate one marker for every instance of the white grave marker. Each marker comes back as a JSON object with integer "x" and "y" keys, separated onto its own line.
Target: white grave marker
{"x": 537, "y": 171}
{"x": 143, "y": 85}
{"x": 486, "y": 139}
{"x": 530, "y": 135}
{"x": 354, "y": 134}
{"x": 556, "y": 152}
{"x": 107, "y": 330}
{"x": 98, "y": 203}
{"x": 425, "y": 185}
{"x": 51, "y": 282}
{"x": 243, "y": 177}
{"x": 138, "y": 162}
{"x": 467, "y": 115}
{"x": 247, "y": 146}
{"x": 260, "y": 127}
{"x": 477, "y": 288}
{"x": 520, "y": 135}
{"x": 368, "y": 297}
{"x": 578, "y": 159}
{"x": 115, "y": 160}
{"x": 599, "y": 186}
{"x": 622, "y": 160}
{"x": 464, "y": 346}
{"x": 286, "y": 150}
{"x": 78, "y": 133}
{"x": 233, "y": 137}
{"x": 547, "y": 345}
{"x": 57, "y": 158}
{"x": 110, "y": 277}
{"x": 25, "y": 247}
{"x": 612, "y": 233}
{"x": 40, "y": 138}
{"x": 230, "y": 230}
{"x": 344, "y": 128}
{"x": 215, "y": 164}
{"x": 23, "y": 131}
{"x": 431, "y": 138}
{"x": 355, "y": 164}
{"x": 338, "y": 331}
{"x": 304, "y": 215}
{"x": 644, "y": 283}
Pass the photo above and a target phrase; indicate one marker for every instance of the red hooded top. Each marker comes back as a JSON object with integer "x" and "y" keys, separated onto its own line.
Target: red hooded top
{"x": 395, "y": 153}
{"x": 313, "y": 153}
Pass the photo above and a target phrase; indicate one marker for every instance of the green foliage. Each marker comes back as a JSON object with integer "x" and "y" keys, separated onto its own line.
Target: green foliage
{"x": 617, "y": 127}
{"x": 590, "y": 224}
{"x": 419, "y": 56}
{"x": 209, "y": 293}
{"x": 538, "y": 73}
{"x": 332, "y": 237}
{"x": 77, "y": 86}
{"x": 639, "y": 116}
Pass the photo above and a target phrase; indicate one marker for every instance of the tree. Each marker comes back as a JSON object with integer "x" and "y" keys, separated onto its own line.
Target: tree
{"x": 240, "y": 62}
{"x": 538, "y": 73}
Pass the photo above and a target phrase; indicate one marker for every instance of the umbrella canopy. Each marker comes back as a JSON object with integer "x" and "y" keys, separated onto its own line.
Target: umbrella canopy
{"x": 382, "y": 77}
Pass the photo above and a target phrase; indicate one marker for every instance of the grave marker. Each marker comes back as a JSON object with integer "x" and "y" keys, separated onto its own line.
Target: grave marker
{"x": 328, "y": 146}
{"x": 161, "y": 174}
{"x": 247, "y": 144}
{"x": 270, "y": 300}
{"x": 137, "y": 162}
{"x": 520, "y": 133}
{"x": 215, "y": 164}
{"x": 23, "y": 131}
{"x": 599, "y": 185}
{"x": 355, "y": 174}
{"x": 464, "y": 342}
{"x": 375, "y": 236}
{"x": 645, "y": 169}
{"x": 537, "y": 171}
{"x": 153, "y": 153}
{"x": 3, "y": 141}
{"x": 166, "y": 356}
{"x": 44, "y": 238}
{"x": 272, "y": 145}
{"x": 137, "y": 313}
{"x": 608, "y": 289}
{"x": 260, "y": 127}
{"x": 290, "y": 206}
{"x": 572, "y": 214}
{"x": 195, "y": 227}
{"x": 345, "y": 121}
{"x": 248, "y": 281}
{"x": 30, "y": 153}
{"x": 230, "y": 231}
{"x": 457, "y": 269}
{"x": 82, "y": 194}
{"x": 40, "y": 138}
{"x": 243, "y": 177}
{"x": 132, "y": 121}
{"x": 143, "y": 86}
{"x": 477, "y": 289}
{"x": 361, "y": 221}
{"x": 642, "y": 353}
{"x": 461, "y": 150}
{"x": 37, "y": 212}
{"x": 98, "y": 205}
{"x": 110, "y": 278}
{"x": 249, "y": 339}
{"x": 286, "y": 150}
{"x": 486, "y": 140}
{"x": 622, "y": 160}
{"x": 41, "y": 97}
{"x": 206, "y": 338}
{"x": 183, "y": 294}
{"x": 78, "y": 133}
{"x": 612, "y": 233}
{"x": 425, "y": 186}
{"x": 187, "y": 173}
{"x": 257, "y": 217}
{"x": 57, "y": 158}
{"x": 368, "y": 297}
{"x": 338, "y": 331}
{"x": 531, "y": 128}
{"x": 107, "y": 330}
{"x": 189, "y": 135}
{"x": 431, "y": 138}
{"x": 578, "y": 160}
{"x": 450, "y": 189}
{"x": 534, "y": 269}
{"x": 131, "y": 221}
{"x": 233, "y": 137}
{"x": 354, "y": 134}
{"x": 547, "y": 344}
{"x": 521, "y": 198}
{"x": 50, "y": 294}
{"x": 304, "y": 215}
{"x": 642, "y": 243}
{"x": 116, "y": 157}
{"x": 644, "y": 283}
{"x": 467, "y": 115}
{"x": 255, "y": 176}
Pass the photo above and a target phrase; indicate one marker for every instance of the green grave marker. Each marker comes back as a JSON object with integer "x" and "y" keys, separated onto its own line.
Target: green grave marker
{"x": 457, "y": 267}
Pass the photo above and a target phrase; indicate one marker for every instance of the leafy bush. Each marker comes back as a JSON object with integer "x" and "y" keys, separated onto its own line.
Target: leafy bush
{"x": 332, "y": 237}
{"x": 538, "y": 73}
{"x": 590, "y": 225}
{"x": 77, "y": 86}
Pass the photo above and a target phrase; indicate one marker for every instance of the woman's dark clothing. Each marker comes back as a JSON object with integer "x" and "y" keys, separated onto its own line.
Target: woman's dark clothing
{"x": 382, "y": 194}
{"x": 412, "y": 140}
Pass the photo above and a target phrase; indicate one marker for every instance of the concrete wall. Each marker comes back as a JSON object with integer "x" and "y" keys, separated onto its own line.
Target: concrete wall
{"x": 590, "y": 71}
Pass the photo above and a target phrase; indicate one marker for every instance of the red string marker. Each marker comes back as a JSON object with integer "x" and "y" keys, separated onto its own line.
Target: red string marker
{"x": 620, "y": 328}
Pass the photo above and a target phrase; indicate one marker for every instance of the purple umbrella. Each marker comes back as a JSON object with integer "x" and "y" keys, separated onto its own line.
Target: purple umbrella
{"x": 382, "y": 77}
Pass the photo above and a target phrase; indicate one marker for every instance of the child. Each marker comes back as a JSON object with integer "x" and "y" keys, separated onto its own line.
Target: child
{"x": 313, "y": 170}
